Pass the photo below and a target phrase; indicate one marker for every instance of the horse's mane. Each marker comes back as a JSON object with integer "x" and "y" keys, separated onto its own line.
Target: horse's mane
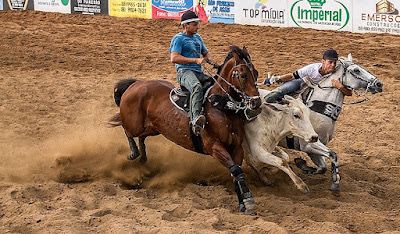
{"x": 235, "y": 49}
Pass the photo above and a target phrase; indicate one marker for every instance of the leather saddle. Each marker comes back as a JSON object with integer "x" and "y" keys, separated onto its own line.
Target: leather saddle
{"x": 180, "y": 96}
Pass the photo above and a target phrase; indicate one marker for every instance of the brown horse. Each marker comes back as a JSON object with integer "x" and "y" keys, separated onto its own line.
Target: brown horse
{"x": 146, "y": 110}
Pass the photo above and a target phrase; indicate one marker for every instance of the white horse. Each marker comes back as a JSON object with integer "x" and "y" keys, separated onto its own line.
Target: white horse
{"x": 276, "y": 121}
{"x": 325, "y": 103}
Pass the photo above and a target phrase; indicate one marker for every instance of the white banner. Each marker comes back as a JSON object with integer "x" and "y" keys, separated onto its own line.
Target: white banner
{"x": 377, "y": 16}
{"x": 62, "y": 6}
{"x": 220, "y": 11}
{"x": 1, "y": 5}
{"x": 262, "y": 12}
{"x": 321, "y": 14}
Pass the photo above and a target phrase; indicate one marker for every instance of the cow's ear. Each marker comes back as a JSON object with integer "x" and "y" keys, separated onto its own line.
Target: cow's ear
{"x": 276, "y": 106}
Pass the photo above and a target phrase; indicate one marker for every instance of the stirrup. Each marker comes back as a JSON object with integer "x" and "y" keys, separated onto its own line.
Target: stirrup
{"x": 198, "y": 123}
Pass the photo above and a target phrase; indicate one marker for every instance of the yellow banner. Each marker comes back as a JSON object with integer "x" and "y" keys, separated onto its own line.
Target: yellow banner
{"x": 130, "y": 8}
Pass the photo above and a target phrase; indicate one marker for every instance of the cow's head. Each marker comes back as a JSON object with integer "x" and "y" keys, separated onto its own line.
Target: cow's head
{"x": 296, "y": 117}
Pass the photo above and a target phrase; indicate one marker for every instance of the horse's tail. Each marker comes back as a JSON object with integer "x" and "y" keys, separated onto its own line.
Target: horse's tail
{"x": 114, "y": 121}
{"x": 120, "y": 87}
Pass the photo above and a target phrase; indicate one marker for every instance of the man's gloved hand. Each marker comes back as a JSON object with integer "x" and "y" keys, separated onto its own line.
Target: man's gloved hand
{"x": 269, "y": 80}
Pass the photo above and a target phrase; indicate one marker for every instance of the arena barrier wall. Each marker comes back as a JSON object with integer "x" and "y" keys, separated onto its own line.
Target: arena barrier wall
{"x": 360, "y": 16}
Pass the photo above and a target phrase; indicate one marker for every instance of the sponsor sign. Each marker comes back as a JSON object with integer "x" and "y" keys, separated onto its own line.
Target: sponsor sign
{"x": 321, "y": 14}
{"x": 16, "y": 5}
{"x": 90, "y": 7}
{"x": 377, "y": 16}
{"x": 220, "y": 11}
{"x": 130, "y": 8}
{"x": 62, "y": 6}
{"x": 261, "y": 12}
{"x": 170, "y": 9}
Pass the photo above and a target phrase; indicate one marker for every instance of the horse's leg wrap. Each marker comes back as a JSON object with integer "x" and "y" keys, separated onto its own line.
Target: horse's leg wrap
{"x": 245, "y": 197}
{"x": 134, "y": 149}
{"x": 335, "y": 172}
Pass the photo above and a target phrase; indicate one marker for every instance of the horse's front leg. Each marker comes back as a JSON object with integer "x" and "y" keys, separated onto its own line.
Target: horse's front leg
{"x": 245, "y": 197}
{"x": 321, "y": 150}
{"x": 316, "y": 151}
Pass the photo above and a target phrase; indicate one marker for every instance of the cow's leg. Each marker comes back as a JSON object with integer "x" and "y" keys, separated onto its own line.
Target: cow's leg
{"x": 265, "y": 157}
{"x": 253, "y": 163}
{"x": 284, "y": 166}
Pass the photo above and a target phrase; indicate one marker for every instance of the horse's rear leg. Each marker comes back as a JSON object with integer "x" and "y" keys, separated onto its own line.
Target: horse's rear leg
{"x": 142, "y": 148}
{"x": 133, "y": 147}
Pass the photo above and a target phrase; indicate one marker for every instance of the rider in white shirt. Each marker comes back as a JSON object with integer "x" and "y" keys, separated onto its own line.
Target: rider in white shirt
{"x": 312, "y": 73}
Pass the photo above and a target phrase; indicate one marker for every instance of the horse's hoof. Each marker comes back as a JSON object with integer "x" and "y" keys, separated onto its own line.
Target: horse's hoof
{"x": 335, "y": 189}
{"x": 133, "y": 156}
{"x": 305, "y": 189}
{"x": 242, "y": 208}
{"x": 250, "y": 212}
{"x": 143, "y": 160}
{"x": 249, "y": 204}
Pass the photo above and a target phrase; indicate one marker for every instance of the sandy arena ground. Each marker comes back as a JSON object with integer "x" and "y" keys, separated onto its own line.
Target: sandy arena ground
{"x": 62, "y": 170}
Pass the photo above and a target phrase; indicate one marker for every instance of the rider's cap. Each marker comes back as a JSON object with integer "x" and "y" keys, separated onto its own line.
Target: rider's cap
{"x": 189, "y": 16}
{"x": 330, "y": 54}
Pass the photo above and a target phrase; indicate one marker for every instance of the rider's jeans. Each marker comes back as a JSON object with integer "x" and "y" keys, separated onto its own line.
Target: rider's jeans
{"x": 290, "y": 86}
{"x": 192, "y": 81}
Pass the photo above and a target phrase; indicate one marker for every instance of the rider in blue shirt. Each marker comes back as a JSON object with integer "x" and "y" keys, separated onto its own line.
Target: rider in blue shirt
{"x": 188, "y": 52}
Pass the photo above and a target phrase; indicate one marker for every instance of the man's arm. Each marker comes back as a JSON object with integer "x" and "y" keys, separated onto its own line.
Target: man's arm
{"x": 337, "y": 84}
{"x": 179, "y": 59}
{"x": 285, "y": 77}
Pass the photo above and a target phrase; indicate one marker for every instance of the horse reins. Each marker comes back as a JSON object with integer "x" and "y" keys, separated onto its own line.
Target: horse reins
{"x": 341, "y": 79}
{"x": 237, "y": 105}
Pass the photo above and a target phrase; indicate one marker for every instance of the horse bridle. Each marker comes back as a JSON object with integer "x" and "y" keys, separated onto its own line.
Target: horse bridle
{"x": 245, "y": 102}
{"x": 343, "y": 77}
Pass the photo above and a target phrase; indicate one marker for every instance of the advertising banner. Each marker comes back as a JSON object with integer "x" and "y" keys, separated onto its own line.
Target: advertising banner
{"x": 220, "y": 11}
{"x": 321, "y": 14}
{"x": 377, "y": 16}
{"x": 19, "y": 5}
{"x": 130, "y": 8}
{"x": 62, "y": 6}
{"x": 90, "y": 7}
{"x": 170, "y": 9}
{"x": 262, "y": 12}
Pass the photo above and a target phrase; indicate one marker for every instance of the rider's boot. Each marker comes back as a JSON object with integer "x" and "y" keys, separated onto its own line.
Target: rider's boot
{"x": 274, "y": 96}
{"x": 289, "y": 87}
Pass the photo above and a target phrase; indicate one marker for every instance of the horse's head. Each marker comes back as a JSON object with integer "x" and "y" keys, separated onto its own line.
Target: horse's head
{"x": 358, "y": 78}
{"x": 296, "y": 118}
{"x": 238, "y": 77}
